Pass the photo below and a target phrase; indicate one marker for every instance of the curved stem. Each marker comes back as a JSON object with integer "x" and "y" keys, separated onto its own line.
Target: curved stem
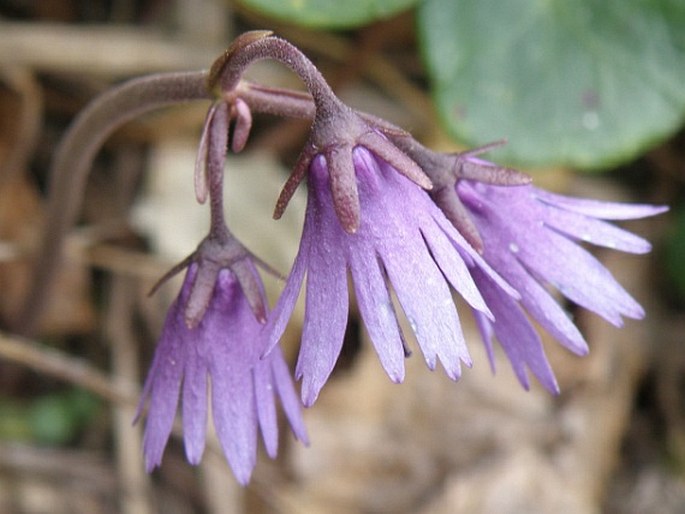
{"x": 234, "y": 64}
{"x": 73, "y": 160}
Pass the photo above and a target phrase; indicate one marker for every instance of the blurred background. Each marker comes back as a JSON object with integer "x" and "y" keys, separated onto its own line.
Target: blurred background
{"x": 590, "y": 97}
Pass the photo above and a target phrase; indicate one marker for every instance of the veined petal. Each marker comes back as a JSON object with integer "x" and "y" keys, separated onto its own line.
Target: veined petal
{"x": 517, "y": 336}
{"x": 470, "y": 256}
{"x": 194, "y": 403}
{"x": 235, "y": 419}
{"x": 546, "y": 311}
{"x": 534, "y": 297}
{"x": 266, "y": 406}
{"x": 286, "y": 391}
{"x": 225, "y": 346}
{"x": 579, "y": 276}
{"x": 428, "y": 305}
{"x": 452, "y": 265}
{"x": 163, "y": 385}
{"x": 278, "y": 320}
{"x": 448, "y": 246}
{"x": 325, "y": 319}
{"x": 598, "y": 208}
{"x": 233, "y": 331}
{"x": 378, "y": 312}
{"x": 592, "y": 230}
{"x": 546, "y": 254}
{"x": 394, "y": 217}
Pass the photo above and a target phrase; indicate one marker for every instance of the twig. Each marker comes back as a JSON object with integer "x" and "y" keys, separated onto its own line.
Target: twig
{"x": 54, "y": 363}
{"x": 135, "y": 483}
{"x": 79, "y": 467}
{"x": 64, "y": 367}
{"x": 96, "y": 49}
{"x": 126, "y": 262}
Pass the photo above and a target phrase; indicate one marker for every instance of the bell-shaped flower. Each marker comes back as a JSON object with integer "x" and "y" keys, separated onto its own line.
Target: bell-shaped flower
{"x": 218, "y": 354}
{"x": 402, "y": 238}
{"x": 531, "y": 238}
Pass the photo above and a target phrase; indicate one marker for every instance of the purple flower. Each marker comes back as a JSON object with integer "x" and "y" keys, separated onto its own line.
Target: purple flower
{"x": 223, "y": 349}
{"x": 402, "y": 236}
{"x": 531, "y": 238}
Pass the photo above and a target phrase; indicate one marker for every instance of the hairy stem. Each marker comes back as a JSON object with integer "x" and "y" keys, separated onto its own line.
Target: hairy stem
{"x": 216, "y": 158}
{"x": 232, "y": 66}
{"x": 276, "y": 101}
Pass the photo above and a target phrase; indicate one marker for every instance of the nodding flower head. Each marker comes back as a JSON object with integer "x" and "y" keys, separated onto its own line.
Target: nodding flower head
{"x": 213, "y": 335}
{"x": 401, "y": 237}
{"x": 529, "y": 237}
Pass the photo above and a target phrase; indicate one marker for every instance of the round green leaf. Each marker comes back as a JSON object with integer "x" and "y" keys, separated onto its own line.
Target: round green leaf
{"x": 585, "y": 83}
{"x": 331, "y": 14}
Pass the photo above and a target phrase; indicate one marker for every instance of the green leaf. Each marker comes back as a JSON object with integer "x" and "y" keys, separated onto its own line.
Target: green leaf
{"x": 56, "y": 418}
{"x": 330, "y": 14}
{"x": 586, "y": 83}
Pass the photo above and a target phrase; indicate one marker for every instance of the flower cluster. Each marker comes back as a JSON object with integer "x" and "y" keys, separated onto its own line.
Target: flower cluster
{"x": 400, "y": 220}
{"x": 402, "y": 236}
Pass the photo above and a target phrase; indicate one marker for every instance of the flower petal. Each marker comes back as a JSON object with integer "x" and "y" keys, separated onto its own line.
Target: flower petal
{"x": 546, "y": 311}
{"x": 579, "y": 276}
{"x": 194, "y": 403}
{"x": 546, "y": 254}
{"x": 278, "y": 319}
{"x": 378, "y": 312}
{"x": 452, "y": 265}
{"x": 592, "y": 230}
{"x": 599, "y": 209}
{"x": 325, "y": 319}
{"x": 516, "y": 335}
{"x": 235, "y": 419}
{"x": 266, "y": 406}
{"x": 163, "y": 384}
{"x": 534, "y": 297}
{"x": 428, "y": 304}
{"x": 286, "y": 391}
